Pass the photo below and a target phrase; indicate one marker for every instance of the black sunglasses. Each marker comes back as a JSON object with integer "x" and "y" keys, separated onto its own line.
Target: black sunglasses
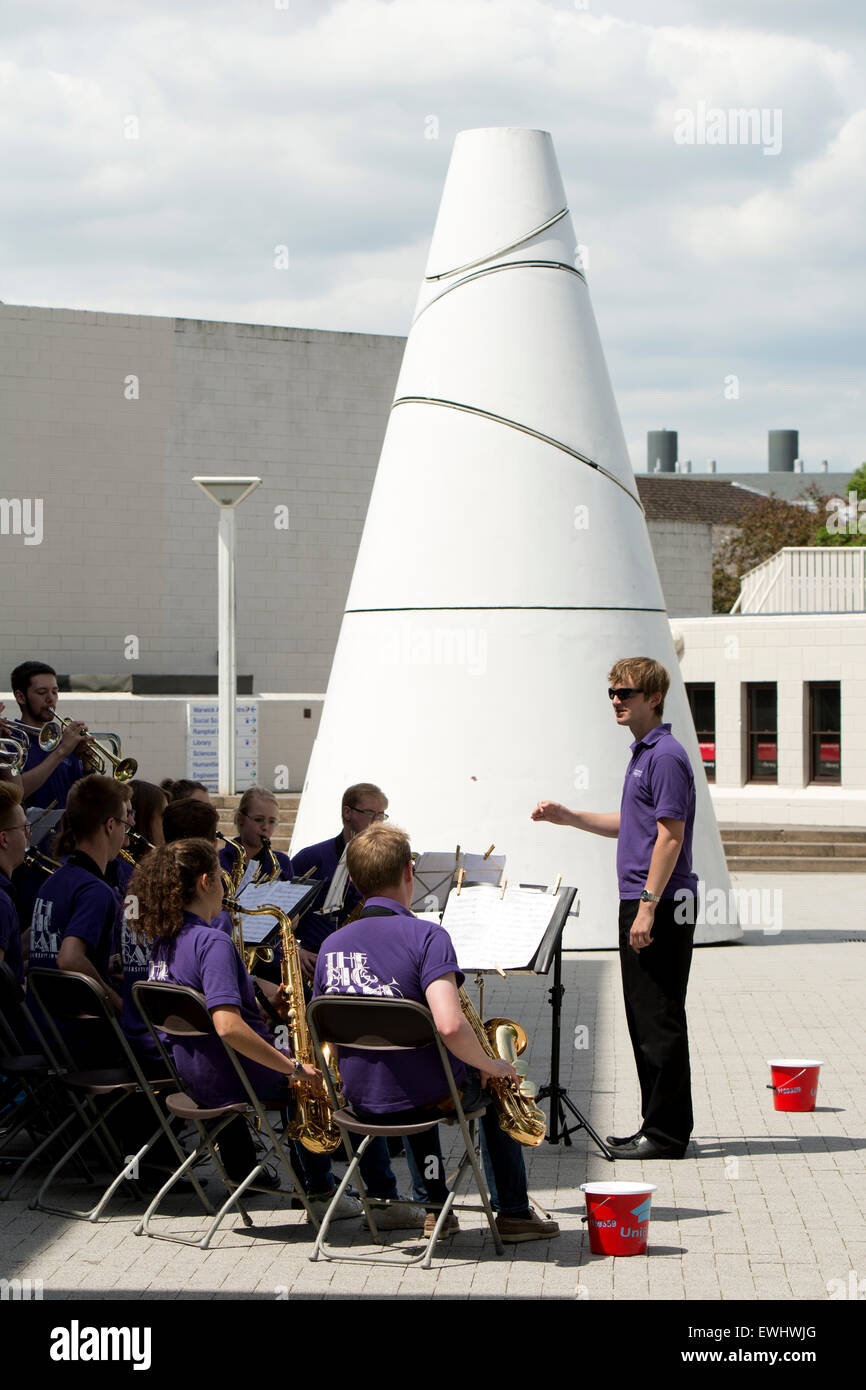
{"x": 623, "y": 692}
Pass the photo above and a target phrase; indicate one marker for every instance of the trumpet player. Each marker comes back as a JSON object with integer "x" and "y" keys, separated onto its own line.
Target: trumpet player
{"x": 46, "y": 777}
{"x": 389, "y": 952}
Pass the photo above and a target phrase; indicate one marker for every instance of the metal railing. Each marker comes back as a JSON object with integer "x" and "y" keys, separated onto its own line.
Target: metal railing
{"x": 806, "y": 579}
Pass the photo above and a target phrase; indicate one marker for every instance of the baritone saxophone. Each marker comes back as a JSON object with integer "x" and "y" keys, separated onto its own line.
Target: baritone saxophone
{"x": 503, "y": 1039}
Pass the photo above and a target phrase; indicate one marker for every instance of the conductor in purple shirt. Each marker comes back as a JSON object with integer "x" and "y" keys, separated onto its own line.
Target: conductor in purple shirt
{"x": 364, "y": 804}
{"x": 653, "y": 828}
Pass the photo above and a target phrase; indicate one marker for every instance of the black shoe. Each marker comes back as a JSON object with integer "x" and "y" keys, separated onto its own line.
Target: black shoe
{"x": 615, "y": 1141}
{"x": 642, "y": 1147}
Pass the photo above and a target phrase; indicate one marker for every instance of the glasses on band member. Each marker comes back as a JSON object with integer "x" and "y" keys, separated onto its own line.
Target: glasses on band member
{"x": 127, "y": 824}
{"x": 623, "y": 692}
{"x": 374, "y": 815}
{"x": 22, "y": 825}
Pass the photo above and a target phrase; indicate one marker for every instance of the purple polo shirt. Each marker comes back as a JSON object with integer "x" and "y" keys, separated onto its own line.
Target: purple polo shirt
{"x": 135, "y": 954}
{"x": 10, "y": 929}
{"x": 75, "y": 901}
{"x": 659, "y": 784}
{"x": 395, "y": 957}
{"x": 204, "y": 958}
{"x": 57, "y": 786}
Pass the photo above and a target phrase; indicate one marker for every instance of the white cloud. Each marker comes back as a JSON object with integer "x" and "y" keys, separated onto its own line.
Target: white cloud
{"x": 306, "y": 126}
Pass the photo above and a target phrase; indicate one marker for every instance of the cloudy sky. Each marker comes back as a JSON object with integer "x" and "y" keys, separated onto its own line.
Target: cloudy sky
{"x": 154, "y": 155}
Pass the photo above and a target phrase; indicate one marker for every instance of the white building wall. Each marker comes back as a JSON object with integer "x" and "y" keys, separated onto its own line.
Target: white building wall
{"x": 153, "y": 730}
{"x": 106, "y": 417}
{"x": 684, "y": 559}
{"x": 791, "y": 650}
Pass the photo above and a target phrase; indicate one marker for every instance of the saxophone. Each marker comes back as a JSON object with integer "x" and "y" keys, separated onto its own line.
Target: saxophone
{"x": 503, "y": 1039}
{"x": 313, "y": 1125}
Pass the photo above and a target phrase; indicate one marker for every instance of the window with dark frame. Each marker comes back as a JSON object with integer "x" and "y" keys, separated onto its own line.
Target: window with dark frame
{"x": 825, "y": 732}
{"x": 702, "y": 703}
{"x": 763, "y": 727}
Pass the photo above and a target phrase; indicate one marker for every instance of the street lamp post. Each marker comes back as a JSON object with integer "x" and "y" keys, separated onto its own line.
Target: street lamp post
{"x": 227, "y": 493}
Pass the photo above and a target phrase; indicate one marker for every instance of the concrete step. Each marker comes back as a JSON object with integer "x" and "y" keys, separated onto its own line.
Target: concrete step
{"x": 794, "y": 834}
{"x": 812, "y": 849}
{"x": 799, "y": 864}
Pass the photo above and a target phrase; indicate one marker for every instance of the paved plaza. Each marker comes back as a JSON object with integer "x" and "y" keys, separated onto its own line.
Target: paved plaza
{"x": 767, "y": 1206}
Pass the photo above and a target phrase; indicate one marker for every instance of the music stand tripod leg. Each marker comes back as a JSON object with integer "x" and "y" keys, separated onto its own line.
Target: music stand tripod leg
{"x": 559, "y": 1097}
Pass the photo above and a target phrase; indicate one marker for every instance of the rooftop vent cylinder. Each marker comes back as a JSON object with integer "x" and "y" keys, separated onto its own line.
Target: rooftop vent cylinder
{"x": 783, "y": 446}
{"x": 661, "y": 451}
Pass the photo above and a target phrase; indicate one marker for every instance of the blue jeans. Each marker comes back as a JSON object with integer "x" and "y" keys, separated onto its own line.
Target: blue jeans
{"x": 502, "y": 1157}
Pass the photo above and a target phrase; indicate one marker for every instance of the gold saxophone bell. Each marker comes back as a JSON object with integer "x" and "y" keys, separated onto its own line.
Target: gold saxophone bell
{"x": 504, "y": 1039}
{"x": 124, "y": 769}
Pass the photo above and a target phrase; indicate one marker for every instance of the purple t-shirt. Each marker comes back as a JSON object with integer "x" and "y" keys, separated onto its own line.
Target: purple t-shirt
{"x": 10, "y": 929}
{"x": 394, "y": 957}
{"x": 75, "y": 901}
{"x": 58, "y": 784}
{"x": 204, "y": 958}
{"x": 135, "y": 954}
{"x": 659, "y": 784}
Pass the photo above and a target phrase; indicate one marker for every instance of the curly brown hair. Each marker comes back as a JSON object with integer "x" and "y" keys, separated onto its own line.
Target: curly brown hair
{"x": 164, "y": 884}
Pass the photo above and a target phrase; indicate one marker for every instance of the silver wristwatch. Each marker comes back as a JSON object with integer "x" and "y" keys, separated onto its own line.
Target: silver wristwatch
{"x": 648, "y": 897}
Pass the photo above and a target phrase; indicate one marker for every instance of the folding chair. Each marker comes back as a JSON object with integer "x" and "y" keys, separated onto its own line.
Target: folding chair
{"x": 177, "y": 1011}
{"x": 32, "y": 1098}
{"x": 389, "y": 1025}
{"x": 97, "y": 1092}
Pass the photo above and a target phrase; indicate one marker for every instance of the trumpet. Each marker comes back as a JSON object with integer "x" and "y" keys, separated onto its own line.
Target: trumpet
{"x": 13, "y": 753}
{"x": 124, "y": 769}
{"x": 138, "y": 842}
{"x": 35, "y": 859}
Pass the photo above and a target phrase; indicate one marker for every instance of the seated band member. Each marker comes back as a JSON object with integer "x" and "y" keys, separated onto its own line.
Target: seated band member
{"x": 178, "y": 889}
{"x": 148, "y": 806}
{"x": 14, "y": 834}
{"x": 390, "y": 952}
{"x": 181, "y": 789}
{"x": 192, "y": 819}
{"x": 256, "y": 820}
{"x": 363, "y": 805}
{"x": 76, "y": 914}
{"x": 46, "y": 777}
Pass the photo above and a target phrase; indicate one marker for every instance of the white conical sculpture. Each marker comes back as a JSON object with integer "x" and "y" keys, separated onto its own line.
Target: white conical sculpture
{"x": 505, "y": 562}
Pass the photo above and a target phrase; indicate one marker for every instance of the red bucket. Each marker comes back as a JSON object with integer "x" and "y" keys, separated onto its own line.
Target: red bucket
{"x": 795, "y": 1084}
{"x": 617, "y": 1214}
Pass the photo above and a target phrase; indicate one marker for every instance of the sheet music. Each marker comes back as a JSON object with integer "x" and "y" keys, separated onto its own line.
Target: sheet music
{"x": 434, "y": 874}
{"x": 491, "y": 931}
{"x": 481, "y": 870}
{"x": 283, "y": 895}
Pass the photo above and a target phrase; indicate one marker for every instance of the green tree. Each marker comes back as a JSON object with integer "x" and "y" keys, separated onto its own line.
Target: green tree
{"x": 846, "y": 516}
{"x": 769, "y": 525}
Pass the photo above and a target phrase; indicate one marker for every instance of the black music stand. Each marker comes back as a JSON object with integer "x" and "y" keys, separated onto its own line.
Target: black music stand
{"x": 550, "y": 952}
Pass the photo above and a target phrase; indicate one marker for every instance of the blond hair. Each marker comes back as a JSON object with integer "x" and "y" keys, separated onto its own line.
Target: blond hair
{"x": 377, "y": 857}
{"x": 644, "y": 674}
